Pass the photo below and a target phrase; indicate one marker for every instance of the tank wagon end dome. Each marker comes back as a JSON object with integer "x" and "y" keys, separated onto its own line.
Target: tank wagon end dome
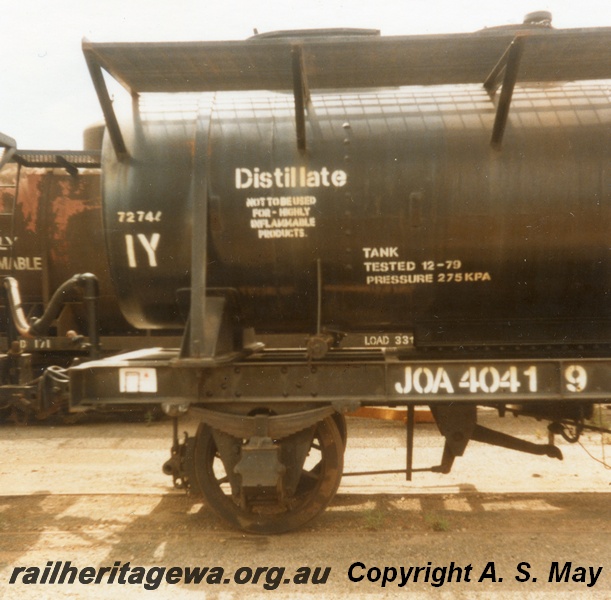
{"x": 93, "y": 136}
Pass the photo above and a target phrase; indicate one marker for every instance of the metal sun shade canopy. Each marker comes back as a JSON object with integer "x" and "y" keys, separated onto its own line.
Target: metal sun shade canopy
{"x": 491, "y": 57}
{"x": 71, "y": 160}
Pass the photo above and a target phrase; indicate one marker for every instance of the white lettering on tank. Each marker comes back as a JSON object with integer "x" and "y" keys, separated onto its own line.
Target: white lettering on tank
{"x": 289, "y": 177}
{"x": 388, "y": 252}
{"x": 150, "y": 247}
{"x": 7, "y": 242}
{"x": 131, "y": 253}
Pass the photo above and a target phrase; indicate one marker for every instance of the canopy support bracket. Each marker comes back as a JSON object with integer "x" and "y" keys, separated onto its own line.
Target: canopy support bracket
{"x": 510, "y": 64}
{"x": 10, "y": 147}
{"x": 112, "y": 124}
{"x": 72, "y": 170}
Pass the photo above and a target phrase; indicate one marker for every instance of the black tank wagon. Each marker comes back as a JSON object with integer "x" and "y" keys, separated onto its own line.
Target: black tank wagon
{"x": 339, "y": 219}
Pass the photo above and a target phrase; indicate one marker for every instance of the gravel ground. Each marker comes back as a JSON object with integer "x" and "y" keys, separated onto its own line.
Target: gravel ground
{"x": 93, "y": 494}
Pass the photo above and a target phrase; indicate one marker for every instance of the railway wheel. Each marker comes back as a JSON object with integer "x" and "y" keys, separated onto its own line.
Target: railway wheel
{"x": 264, "y": 510}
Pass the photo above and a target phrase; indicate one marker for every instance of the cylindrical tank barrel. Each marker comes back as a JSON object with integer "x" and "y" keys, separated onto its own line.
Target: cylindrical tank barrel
{"x": 398, "y": 216}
